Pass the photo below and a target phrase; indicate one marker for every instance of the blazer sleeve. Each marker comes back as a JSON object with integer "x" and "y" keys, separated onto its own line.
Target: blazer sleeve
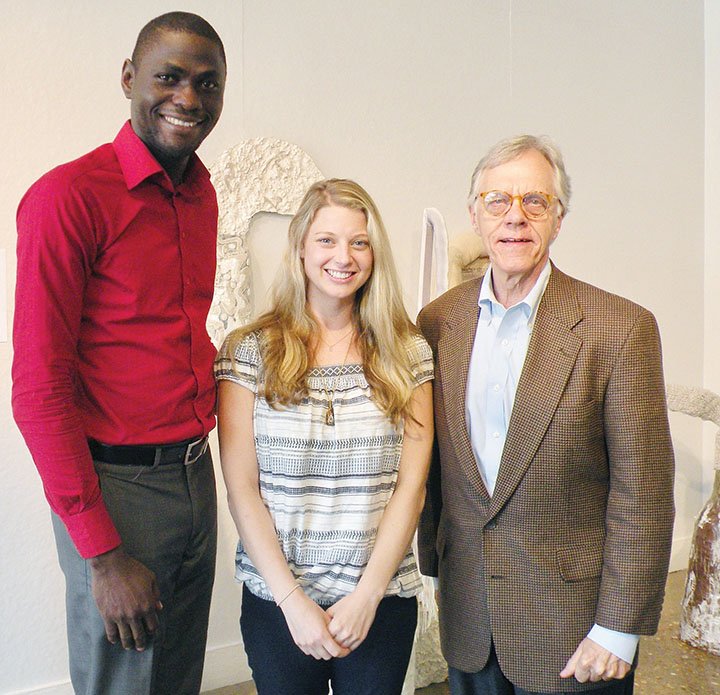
{"x": 430, "y": 515}
{"x": 640, "y": 508}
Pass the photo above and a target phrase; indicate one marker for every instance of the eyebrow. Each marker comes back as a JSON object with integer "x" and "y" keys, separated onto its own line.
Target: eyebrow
{"x": 172, "y": 67}
{"x": 326, "y": 232}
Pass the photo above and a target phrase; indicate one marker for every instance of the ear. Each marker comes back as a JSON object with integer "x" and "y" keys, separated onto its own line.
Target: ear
{"x": 556, "y": 231}
{"x": 127, "y": 77}
{"x": 473, "y": 217}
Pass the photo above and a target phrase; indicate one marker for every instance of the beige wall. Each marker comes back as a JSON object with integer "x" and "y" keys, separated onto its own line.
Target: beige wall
{"x": 712, "y": 218}
{"x": 403, "y": 95}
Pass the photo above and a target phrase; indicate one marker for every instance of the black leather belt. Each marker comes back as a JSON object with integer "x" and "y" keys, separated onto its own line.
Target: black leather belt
{"x": 183, "y": 452}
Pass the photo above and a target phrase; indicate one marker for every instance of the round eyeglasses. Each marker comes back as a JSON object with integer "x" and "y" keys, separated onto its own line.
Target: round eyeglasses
{"x": 534, "y": 204}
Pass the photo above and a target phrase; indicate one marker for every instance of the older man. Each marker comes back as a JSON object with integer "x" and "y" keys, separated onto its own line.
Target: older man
{"x": 550, "y": 504}
{"x": 113, "y": 386}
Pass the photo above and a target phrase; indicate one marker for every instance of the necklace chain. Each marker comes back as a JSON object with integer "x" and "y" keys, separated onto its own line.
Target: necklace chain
{"x": 330, "y": 346}
{"x": 330, "y": 393}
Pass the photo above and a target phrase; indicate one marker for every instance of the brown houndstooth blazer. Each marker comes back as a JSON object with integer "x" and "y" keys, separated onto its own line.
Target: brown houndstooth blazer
{"x": 579, "y": 527}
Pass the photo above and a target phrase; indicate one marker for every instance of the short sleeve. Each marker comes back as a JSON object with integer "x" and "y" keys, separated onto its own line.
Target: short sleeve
{"x": 243, "y": 365}
{"x": 421, "y": 360}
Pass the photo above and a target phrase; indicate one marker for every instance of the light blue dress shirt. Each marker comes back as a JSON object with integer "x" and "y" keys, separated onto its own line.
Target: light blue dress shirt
{"x": 498, "y": 355}
{"x": 501, "y": 342}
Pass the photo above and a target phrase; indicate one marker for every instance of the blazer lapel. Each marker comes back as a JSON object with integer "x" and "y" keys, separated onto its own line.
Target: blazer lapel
{"x": 550, "y": 359}
{"x": 454, "y": 351}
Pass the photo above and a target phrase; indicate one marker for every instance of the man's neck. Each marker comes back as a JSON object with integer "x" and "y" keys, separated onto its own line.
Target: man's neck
{"x": 511, "y": 289}
{"x": 175, "y": 169}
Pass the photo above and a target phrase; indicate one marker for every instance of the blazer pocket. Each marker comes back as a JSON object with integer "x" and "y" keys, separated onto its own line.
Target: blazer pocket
{"x": 580, "y": 411}
{"x": 579, "y": 563}
{"x": 576, "y": 429}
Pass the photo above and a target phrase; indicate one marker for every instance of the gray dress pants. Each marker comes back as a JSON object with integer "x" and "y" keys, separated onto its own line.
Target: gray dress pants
{"x": 167, "y": 519}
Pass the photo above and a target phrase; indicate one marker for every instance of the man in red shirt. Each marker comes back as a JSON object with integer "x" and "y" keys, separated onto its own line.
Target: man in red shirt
{"x": 112, "y": 377}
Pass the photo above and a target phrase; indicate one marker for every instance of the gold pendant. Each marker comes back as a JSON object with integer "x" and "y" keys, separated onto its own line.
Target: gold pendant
{"x": 330, "y": 414}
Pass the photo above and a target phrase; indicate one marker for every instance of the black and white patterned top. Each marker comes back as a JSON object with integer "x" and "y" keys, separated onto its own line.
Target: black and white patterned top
{"x": 326, "y": 487}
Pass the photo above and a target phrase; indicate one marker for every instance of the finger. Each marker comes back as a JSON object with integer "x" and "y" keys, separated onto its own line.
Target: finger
{"x": 138, "y": 633}
{"x": 581, "y": 675}
{"x": 603, "y": 667}
{"x": 323, "y": 653}
{"x": 623, "y": 669}
{"x": 614, "y": 670}
{"x": 609, "y": 671}
{"x": 152, "y": 623}
{"x": 111, "y": 632}
{"x": 344, "y": 651}
{"x": 342, "y": 635}
{"x": 583, "y": 670}
{"x": 352, "y": 645}
{"x": 350, "y": 639}
{"x": 570, "y": 667}
{"x": 156, "y": 594}
{"x": 334, "y": 648}
{"x": 126, "y": 637}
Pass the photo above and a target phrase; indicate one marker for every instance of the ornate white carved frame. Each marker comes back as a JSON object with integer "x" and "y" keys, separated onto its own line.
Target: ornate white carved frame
{"x": 258, "y": 175}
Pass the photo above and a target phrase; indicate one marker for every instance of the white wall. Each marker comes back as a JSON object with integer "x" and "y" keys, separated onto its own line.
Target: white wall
{"x": 712, "y": 218}
{"x": 404, "y": 96}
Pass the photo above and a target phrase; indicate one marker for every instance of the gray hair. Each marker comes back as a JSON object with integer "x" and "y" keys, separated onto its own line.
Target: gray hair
{"x": 507, "y": 150}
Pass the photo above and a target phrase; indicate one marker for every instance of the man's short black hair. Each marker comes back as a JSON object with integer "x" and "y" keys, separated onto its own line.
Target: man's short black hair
{"x": 186, "y": 22}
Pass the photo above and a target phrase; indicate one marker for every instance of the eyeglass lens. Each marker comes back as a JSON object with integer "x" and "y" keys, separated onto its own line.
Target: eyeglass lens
{"x": 498, "y": 203}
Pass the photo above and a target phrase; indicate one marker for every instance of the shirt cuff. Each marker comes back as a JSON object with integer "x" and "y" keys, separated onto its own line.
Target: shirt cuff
{"x": 621, "y": 644}
{"x": 92, "y": 531}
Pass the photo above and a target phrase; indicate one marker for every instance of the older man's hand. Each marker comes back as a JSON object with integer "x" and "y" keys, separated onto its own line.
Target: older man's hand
{"x": 591, "y": 662}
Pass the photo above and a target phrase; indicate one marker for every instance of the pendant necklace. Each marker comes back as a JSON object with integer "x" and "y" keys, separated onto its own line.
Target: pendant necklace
{"x": 330, "y": 393}
{"x": 330, "y": 346}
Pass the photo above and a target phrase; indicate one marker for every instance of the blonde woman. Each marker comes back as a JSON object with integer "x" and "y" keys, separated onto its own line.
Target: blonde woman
{"x": 325, "y": 422}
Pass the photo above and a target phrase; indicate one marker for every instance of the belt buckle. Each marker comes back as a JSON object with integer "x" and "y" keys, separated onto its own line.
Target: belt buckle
{"x": 188, "y": 452}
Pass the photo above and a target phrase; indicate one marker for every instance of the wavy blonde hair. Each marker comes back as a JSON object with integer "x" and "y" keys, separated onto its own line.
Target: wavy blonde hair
{"x": 287, "y": 329}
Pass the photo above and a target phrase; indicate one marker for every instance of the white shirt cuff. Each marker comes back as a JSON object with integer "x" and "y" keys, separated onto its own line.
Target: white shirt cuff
{"x": 621, "y": 644}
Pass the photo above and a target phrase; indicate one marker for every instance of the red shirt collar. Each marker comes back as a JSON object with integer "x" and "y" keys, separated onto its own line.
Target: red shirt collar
{"x": 138, "y": 164}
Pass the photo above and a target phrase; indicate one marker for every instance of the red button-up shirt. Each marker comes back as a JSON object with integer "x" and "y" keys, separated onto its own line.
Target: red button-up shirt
{"x": 114, "y": 283}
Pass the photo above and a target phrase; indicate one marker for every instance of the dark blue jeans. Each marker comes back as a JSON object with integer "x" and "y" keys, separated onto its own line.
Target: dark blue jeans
{"x": 376, "y": 667}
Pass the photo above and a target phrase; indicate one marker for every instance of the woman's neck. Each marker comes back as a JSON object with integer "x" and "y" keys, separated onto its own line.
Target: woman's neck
{"x": 332, "y": 317}
{"x": 336, "y": 339}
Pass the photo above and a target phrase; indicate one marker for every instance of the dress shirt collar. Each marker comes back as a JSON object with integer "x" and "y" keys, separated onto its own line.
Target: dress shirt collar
{"x": 489, "y": 304}
{"x": 138, "y": 164}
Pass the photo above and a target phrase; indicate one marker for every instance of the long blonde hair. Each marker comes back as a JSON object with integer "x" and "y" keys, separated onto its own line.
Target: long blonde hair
{"x": 288, "y": 329}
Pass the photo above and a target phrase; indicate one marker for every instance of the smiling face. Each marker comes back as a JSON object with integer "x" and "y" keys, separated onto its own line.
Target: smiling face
{"x": 176, "y": 91}
{"x": 518, "y": 246}
{"x": 336, "y": 254}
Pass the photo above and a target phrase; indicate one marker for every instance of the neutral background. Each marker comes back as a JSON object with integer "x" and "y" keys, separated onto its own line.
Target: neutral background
{"x": 404, "y": 96}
